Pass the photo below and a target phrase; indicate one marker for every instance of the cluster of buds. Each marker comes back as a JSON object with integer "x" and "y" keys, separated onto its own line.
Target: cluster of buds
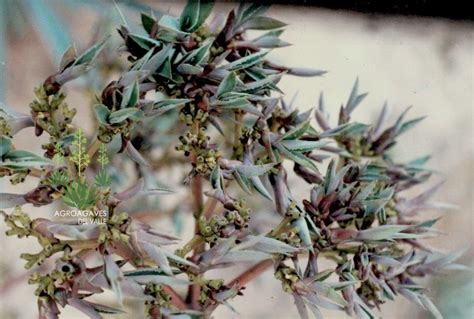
{"x": 211, "y": 230}
{"x": 160, "y": 299}
{"x": 17, "y": 175}
{"x": 287, "y": 276}
{"x": 115, "y": 229}
{"x": 209, "y": 288}
{"x": 193, "y": 142}
{"x": 5, "y": 127}
{"x": 356, "y": 145}
{"x": 293, "y": 212}
{"x": 108, "y": 131}
{"x": 46, "y": 283}
{"x": 21, "y": 225}
{"x": 51, "y": 114}
{"x": 49, "y": 249}
{"x": 237, "y": 213}
{"x": 246, "y": 135}
{"x": 174, "y": 92}
{"x": 64, "y": 271}
{"x": 291, "y": 238}
{"x": 235, "y": 217}
{"x": 190, "y": 115}
{"x": 206, "y": 161}
{"x": 206, "y": 157}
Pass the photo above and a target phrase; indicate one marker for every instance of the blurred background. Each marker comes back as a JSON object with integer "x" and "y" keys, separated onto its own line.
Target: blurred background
{"x": 403, "y": 59}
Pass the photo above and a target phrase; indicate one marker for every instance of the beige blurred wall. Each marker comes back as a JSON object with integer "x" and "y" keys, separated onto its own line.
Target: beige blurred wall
{"x": 427, "y": 63}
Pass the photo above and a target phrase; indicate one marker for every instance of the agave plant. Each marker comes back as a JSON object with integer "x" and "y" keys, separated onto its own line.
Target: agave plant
{"x": 203, "y": 97}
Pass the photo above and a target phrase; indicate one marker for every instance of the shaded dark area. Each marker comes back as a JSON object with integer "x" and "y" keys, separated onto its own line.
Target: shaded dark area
{"x": 455, "y": 10}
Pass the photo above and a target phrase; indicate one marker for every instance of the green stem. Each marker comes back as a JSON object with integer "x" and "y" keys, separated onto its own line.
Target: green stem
{"x": 237, "y": 133}
{"x": 93, "y": 148}
{"x": 191, "y": 244}
{"x": 81, "y": 244}
{"x": 280, "y": 227}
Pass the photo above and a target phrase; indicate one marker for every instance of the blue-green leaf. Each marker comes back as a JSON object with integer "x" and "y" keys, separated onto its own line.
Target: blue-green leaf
{"x": 227, "y": 85}
{"x": 23, "y": 159}
{"x": 90, "y": 54}
{"x": 163, "y": 106}
{"x": 194, "y": 14}
{"x": 245, "y": 62}
{"x": 122, "y": 115}
{"x": 262, "y": 23}
{"x": 130, "y": 96}
{"x": 303, "y": 146}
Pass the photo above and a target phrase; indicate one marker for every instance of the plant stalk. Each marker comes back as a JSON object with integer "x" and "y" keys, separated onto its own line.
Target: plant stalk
{"x": 198, "y": 202}
{"x": 191, "y": 245}
{"x": 93, "y": 148}
{"x": 175, "y": 298}
{"x": 250, "y": 274}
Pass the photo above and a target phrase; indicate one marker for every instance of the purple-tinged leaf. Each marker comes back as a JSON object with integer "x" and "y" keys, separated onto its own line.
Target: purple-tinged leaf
{"x": 270, "y": 42}
{"x": 242, "y": 256}
{"x": 428, "y": 305}
{"x": 210, "y": 256}
{"x": 379, "y": 125}
{"x": 114, "y": 277}
{"x": 249, "y": 170}
{"x": 305, "y": 72}
{"x": 135, "y": 155}
{"x": 267, "y": 245}
{"x": 157, "y": 254}
{"x": 84, "y": 307}
{"x": 437, "y": 263}
{"x": 323, "y": 303}
{"x": 321, "y": 115}
{"x": 280, "y": 190}
{"x": 386, "y": 261}
{"x": 384, "y": 232}
{"x": 81, "y": 232}
{"x": 260, "y": 188}
{"x": 315, "y": 310}
{"x": 8, "y": 200}
{"x": 300, "y": 306}
{"x": 355, "y": 98}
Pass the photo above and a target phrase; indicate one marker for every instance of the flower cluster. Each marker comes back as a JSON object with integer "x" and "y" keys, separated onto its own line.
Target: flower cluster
{"x": 208, "y": 90}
